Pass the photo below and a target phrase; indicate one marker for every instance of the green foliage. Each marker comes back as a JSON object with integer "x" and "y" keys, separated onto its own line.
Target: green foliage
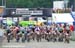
{"x": 70, "y": 3}
{"x": 0, "y": 2}
{"x": 29, "y": 3}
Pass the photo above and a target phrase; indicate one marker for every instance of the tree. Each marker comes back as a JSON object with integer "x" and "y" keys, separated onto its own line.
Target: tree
{"x": 29, "y": 3}
{"x": 70, "y": 3}
{"x": 0, "y": 2}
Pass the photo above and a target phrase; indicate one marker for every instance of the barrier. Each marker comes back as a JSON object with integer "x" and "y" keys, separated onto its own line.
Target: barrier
{"x": 73, "y": 36}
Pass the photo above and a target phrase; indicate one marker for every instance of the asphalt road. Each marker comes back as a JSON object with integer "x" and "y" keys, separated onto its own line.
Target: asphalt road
{"x": 43, "y": 44}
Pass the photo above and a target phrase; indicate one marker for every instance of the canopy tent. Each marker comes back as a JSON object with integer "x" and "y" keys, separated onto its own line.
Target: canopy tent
{"x": 62, "y": 18}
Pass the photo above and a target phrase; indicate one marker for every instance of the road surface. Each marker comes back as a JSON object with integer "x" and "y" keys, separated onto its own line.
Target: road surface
{"x": 35, "y": 44}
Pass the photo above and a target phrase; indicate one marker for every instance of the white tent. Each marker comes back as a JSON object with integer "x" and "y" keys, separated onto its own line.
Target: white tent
{"x": 62, "y": 18}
